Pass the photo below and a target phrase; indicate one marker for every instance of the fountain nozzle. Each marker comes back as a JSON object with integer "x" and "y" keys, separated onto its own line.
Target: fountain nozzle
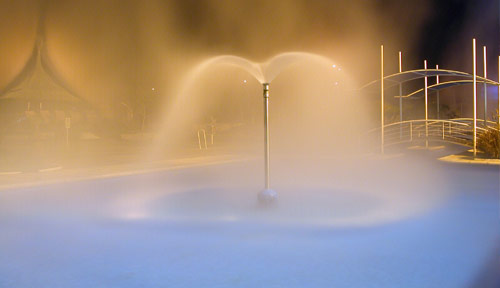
{"x": 266, "y": 90}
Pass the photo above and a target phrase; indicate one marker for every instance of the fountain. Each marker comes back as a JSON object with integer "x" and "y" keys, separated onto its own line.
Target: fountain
{"x": 318, "y": 169}
{"x": 262, "y": 72}
{"x": 340, "y": 213}
{"x": 209, "y": 214}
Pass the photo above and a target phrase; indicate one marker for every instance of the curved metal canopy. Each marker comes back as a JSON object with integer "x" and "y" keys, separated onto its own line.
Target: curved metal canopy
{"x": 399, "y": 78}
{"x": 443, "y": 85}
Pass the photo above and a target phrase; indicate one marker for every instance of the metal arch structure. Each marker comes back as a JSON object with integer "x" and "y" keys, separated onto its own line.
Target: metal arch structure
{"x": 402, "y": 77}
{"x": 443, "y": 85}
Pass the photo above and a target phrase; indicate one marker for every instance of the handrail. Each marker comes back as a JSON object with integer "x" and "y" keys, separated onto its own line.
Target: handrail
{"x": 458, "y": 131}
{"x": 414, "y": 121}
{"x": 204, "y": 133}
{"x": 493, "y": 123}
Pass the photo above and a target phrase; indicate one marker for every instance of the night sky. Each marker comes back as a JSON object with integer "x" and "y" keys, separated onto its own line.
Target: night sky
{"x": 457, "y": 21}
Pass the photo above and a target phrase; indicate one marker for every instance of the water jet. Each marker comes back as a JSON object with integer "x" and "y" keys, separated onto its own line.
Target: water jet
{"x": 264, "y": 73}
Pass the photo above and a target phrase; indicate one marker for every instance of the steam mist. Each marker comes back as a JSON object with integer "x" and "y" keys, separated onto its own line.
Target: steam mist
{"x": 118, "y": 51}
{"x": 148, "y": 169}
{"x": 175, "y": 69}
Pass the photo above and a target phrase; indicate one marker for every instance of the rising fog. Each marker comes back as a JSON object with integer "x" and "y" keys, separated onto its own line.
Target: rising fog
{"x": 138, "y": 58}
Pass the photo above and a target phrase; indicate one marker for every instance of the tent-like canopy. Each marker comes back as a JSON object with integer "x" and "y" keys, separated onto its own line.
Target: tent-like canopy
{"x": 38, "y": 82}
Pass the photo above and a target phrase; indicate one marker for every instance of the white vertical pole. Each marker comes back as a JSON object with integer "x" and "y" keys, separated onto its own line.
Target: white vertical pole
{"x": 199, "y": 139}
{"x": 426, "y": 108}
{"x": 411, "y": 131}
{"x": 442, "y": 130}
{"x": 382, "y": 98}
{"x": 437, "y": 100}
{"x": 205, "y": 138}
{"x": 400, "y": 98}
{"x": 67, "y": 124}
{"x": 485, "y": 91}
{"x": 474, "y": 92}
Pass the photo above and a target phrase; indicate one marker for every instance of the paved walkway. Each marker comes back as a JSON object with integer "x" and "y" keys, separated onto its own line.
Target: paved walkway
{"x": 468, "y": 158}
{"x": 23, "y": 166}
{"x": 61, "y": 174}
{"x": 25, "y": 163}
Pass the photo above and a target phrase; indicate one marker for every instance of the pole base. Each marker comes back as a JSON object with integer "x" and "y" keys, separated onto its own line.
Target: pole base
{"x": 267, "y": 196}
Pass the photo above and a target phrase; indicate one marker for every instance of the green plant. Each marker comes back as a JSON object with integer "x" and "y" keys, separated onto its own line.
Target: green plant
{"x": 489, "y": 141}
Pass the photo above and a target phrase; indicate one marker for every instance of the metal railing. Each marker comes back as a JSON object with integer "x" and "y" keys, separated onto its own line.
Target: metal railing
{"x": 202, "y": 135}
{"x": 457, "y": 131}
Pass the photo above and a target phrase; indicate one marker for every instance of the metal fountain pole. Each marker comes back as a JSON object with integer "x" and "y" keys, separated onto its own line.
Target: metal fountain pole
{"x": 266, "y": 196}
{"x": 266, "y": 134}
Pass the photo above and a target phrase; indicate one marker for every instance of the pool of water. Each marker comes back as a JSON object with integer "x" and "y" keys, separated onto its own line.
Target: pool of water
{"x": 202, "y": 227}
